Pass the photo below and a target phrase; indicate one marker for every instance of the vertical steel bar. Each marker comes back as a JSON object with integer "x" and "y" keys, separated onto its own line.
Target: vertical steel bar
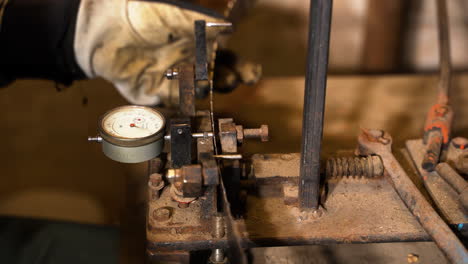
{"x": 314, "y": 102}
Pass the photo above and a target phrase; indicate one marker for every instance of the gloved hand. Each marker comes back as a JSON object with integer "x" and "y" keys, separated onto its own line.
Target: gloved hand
{"x": 133, "y": 43}
{"x": 129, "y": 43}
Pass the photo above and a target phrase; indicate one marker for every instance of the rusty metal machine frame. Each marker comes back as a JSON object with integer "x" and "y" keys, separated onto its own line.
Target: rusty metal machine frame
{"x": 205, "y": 196}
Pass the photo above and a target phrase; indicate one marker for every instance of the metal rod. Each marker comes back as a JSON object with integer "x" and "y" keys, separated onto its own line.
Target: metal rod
{"x": 445, "y": 75}
{"x": 433, "y": 224}
{"x": 217, "y": 24}
{"x": 424, "y": 213}
{"x": 440, "y": 115}
{"x": 97, "y": 139}
{"x": 195, "y": 135}
{"x": 452, "y": 177}
{"x": 314, "y": 102}
{"x": 442, "y": 235}
{"x": 228, "y": 156}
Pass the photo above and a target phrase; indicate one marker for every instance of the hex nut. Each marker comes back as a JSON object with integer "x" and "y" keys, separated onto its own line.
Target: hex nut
{"x": 192, "y": 181}
{"x": 173, "y": 174}
{"x": 155, "y": 180}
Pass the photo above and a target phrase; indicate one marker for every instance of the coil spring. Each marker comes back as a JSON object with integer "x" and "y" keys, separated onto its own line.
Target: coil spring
{"x": 369, "y": 167}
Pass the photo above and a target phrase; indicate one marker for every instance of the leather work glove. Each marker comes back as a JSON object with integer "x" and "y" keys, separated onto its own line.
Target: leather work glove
{"x": 129, "y": 43}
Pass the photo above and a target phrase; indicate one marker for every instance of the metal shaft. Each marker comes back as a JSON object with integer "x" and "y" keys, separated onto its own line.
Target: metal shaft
{"x": 194, "y": 135}
{"x": 452, "y": 177}
{"x": 440, "y": 120}
{"x": 314, "y": 102}
{"x": 445, "y": 76}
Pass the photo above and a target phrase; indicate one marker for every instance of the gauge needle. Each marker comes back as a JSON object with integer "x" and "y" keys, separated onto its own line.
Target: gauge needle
{"x": 140, "y": 128}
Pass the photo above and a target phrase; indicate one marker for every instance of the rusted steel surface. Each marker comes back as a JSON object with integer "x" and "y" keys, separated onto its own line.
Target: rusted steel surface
{"x": 276, "y": 168}
{"x": 192, "y": 180}
{"x": 227, "y": 135}
{"x": 379, "y": 143}
{"x": 186, "y": 90}
{"x": 182, "y": 223}
{"x": 440, "y": 191}
{"x": 155, "y": 185}
{"x": 358, "y": 210}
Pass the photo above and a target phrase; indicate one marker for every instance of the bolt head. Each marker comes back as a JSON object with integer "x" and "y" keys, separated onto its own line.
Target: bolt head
{"x": 155, "y": 179}
{"x": 264, "y": 133}
{"x": 240, "y": 134}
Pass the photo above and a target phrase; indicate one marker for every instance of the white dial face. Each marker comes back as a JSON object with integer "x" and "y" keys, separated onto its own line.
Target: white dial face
{"x": 132, "y": 122}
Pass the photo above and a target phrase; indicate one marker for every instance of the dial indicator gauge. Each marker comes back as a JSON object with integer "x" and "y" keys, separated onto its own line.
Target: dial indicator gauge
{"x": 134, "y": 125}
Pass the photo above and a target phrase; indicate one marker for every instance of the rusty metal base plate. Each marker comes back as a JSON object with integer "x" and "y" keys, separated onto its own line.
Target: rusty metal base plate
{"x": 184, "y": 224}
{"x": 357, "y": 210}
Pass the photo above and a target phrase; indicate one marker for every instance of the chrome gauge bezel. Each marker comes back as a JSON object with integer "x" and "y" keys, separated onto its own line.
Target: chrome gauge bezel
{"x": 131, "y": 142}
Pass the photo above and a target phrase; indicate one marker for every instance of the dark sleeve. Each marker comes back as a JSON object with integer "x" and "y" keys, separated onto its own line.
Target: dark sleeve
{"x": 26, "y": 241}
{"x": 36, "y": 41}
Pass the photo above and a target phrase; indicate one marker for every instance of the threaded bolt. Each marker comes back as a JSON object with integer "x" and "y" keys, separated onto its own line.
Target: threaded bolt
{"x": 369, "y": 167}
{"x": 219, "y": 229}
{"x": 261, "y": 133}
